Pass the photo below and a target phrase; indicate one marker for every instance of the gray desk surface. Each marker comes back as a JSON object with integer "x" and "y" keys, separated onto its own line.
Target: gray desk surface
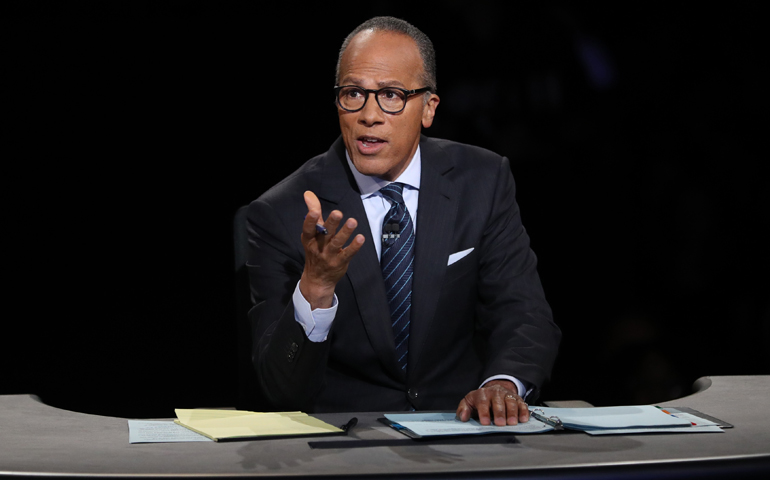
{"x": 39, "y": 440}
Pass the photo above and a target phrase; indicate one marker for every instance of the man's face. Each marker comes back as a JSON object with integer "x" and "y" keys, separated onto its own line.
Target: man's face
{"x": 382, "y": 144}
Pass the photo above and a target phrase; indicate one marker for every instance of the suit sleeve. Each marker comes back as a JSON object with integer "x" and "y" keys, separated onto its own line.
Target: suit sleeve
{"x": 289, "y": 367}
{"x": 512, "y": 310}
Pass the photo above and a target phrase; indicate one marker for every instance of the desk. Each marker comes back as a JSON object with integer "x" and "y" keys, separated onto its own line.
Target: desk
{"x": 37, "y": 440}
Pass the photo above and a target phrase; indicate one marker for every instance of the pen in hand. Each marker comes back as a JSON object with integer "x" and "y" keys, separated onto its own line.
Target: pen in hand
{"x": 320, "y": 228}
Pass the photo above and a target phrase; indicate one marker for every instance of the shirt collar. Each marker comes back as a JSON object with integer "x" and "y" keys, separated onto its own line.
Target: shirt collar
{"x": 370, "y": 185}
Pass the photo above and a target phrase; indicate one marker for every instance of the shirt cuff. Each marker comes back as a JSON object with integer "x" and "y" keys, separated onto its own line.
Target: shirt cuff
{"x": 316, "y": 323}
{"x": 516, "y": 381}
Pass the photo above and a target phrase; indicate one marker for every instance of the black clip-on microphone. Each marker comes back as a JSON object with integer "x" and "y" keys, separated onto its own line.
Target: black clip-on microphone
{"x": 390, "y": 231}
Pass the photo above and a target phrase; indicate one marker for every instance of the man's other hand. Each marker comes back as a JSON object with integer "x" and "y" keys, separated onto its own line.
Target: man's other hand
{"x": 498, "y": 400}
{"x": 325, "y": 259}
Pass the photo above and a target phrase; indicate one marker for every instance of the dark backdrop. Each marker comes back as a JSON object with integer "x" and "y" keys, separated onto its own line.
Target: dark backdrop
{"x": 133, "y": 131}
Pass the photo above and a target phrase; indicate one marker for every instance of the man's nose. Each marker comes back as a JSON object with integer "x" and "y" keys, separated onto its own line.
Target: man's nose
{"x": 371, "y": 114}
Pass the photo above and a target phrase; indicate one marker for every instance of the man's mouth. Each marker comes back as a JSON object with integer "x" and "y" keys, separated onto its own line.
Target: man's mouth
{"x": 370, "y": 141}
{"x": 368, "y": 145}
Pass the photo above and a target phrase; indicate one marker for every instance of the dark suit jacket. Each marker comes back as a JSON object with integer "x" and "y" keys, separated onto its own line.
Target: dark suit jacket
{"x": 483, "y": 315}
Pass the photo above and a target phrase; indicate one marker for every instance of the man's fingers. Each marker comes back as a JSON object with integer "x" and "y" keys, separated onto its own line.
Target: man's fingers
{"x": 312, "y": 218}
{"x": 475, "y": 401}
{"x": 463, "y": 412}
{"x": 353, "y": 248}
{"x": 338, "y": 238}
{"x": 523, "y": 411}
{"x": 480, "y": 402}
{"x": 332, "y": 223}
{"x": 329, "y": 245}
{"x": 499, "y": 409}
{"x": 518, "y": 410}
{"x": 313, "y": 204}
{"x": 308, "y": 227}
{"x": 512, "y": 407}
{"x": 496, "y": 403}
{"x": 483, "y": 412}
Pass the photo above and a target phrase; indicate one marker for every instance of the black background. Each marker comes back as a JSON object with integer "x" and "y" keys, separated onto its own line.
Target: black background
{"x": 133, "y": 130}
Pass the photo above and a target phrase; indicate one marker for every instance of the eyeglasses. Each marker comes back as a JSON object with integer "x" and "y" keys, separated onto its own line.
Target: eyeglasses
{"x": 390, "y": 99}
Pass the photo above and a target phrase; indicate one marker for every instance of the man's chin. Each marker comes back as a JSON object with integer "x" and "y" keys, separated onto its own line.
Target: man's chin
{"x": 370, "y": 167}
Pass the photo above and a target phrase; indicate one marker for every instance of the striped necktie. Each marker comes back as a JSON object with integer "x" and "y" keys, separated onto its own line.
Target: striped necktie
{"x": 397, "y": 261}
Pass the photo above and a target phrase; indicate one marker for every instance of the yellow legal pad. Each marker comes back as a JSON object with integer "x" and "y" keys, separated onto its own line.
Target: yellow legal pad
{"x": 225, "y": 425}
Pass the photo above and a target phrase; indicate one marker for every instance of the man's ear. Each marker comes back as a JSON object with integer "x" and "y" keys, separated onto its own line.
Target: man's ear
{"x": 429, "y": 110}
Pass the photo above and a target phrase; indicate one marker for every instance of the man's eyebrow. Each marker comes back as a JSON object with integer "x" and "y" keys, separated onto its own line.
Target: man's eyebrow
{"x": 390, "y": 83}
{"x": 380, "y": 84}
{"x": 350, "y": 81}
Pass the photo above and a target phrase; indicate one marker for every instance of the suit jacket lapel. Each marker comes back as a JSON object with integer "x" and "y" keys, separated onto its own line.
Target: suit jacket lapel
{"x": 436, "y": 215}
{"x": 339, "y": 188}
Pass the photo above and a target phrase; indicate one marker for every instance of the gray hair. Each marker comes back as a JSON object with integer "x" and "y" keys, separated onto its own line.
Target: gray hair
{"x": 392, "y": 24}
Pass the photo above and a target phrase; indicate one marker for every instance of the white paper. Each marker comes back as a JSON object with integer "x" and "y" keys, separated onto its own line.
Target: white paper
{"x": 428, "y": 424}
{"x": 694, "y": 420}
{"x": 152, "y": 431}
{"x": 626, "y": 431}
{"x": 635, "y": 416}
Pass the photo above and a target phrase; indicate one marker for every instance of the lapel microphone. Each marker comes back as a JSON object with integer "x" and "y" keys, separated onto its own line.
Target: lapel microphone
{"x": 390, "y": 232}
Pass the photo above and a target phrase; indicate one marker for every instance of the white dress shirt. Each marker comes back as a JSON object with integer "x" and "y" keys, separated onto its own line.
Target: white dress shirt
{"x": 318, "y": 322}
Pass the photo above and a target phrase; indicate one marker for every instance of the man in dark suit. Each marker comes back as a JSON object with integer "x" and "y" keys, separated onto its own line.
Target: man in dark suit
{"x": 436, "y": 300}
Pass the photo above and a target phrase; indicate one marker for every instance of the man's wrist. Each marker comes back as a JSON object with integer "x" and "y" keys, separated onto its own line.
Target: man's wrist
{"x": 318, "y": 296}
{"x": 522, "y": 389}
{"x": 506, "y": 384}
{"x": 316, "y": 323}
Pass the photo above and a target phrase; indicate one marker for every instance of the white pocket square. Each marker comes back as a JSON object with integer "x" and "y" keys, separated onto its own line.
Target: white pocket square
{"x": 457, "y": 256}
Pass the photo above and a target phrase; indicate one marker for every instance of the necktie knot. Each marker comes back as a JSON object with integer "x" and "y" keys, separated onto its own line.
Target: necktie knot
{"x": 394, "y": 192}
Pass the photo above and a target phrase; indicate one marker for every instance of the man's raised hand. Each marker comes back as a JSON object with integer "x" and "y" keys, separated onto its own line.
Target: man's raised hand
{"x": 326, "y": 261}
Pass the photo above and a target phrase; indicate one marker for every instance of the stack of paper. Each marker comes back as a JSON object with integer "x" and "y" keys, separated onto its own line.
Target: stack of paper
{"x": 594, "y": 421}
{"x": 418, "y": 425}
{"x": 223, "y": 425}
{"x": 623, "y": 420}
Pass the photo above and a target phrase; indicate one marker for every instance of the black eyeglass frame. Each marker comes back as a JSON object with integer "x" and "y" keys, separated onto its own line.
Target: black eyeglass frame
{"x": 407, "y": 94}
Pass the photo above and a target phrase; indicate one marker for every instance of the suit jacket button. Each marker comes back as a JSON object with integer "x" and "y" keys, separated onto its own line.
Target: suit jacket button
{"x": 290, "y": 356}
{"x": 294, "y": 347}
{"x": 412, "y": 392}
